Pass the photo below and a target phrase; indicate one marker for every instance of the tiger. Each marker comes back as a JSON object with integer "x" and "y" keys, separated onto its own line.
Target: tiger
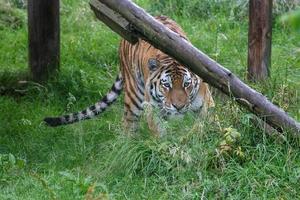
{"x": 149, "y": 77}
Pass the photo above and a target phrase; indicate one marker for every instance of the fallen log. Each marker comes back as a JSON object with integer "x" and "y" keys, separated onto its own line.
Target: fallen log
{"x": 143, "y": 25}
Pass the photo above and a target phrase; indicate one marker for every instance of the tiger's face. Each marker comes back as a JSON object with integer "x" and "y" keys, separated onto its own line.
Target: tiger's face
{"x": 173, "y": 88}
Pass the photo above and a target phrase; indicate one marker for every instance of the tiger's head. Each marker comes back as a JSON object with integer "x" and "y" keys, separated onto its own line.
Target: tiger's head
{"x": 174, "y": 88}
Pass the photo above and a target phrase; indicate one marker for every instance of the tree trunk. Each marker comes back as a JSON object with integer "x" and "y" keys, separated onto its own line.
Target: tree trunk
{"x": 43, "y": 35}
{"x": 259, "y": 39}
{"x": 145, "y": 26}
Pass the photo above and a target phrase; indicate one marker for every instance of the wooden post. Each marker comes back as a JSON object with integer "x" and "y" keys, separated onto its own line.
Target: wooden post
{"x": 259, "y": 39}
{"x": 43, "y": 36}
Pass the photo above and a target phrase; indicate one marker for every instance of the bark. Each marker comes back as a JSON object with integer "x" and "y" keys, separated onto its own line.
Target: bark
{"x": 43, "y": 35}
{"x": 259, "y": 36}
{"x": 146, "y": 27}
{"x": 114, "y": 20}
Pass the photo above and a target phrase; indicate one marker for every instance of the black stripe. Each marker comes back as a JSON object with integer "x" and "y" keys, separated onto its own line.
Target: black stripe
{"x": 105, "y": 100}
{"x": 136, "y": 104}
{"x": 156, "y": 94}
{"x": 168, "y": 71}
{"x": 102, "y": 109}
{"x": 197, "y": 82}
{"x": 148, "y": 48}
{"x": 134, "y": 92}
{"x": 84, "y": 112}
{"x": 155, "y": 76}
{"x": 88, "y": 117}
{"x": 76, "y": 114}
{"x": 127, "y": 105}
{"x": 115, "y": 90}
{"x": 140, "y": 90}
{"x": 151, "y": 87}
{"x": 182, "y": 70}
{"x": 129, "y": 110}
{"x": 67, "y": 117}
{"x": 93, "y": 107}
{"x": 131, "y": 120}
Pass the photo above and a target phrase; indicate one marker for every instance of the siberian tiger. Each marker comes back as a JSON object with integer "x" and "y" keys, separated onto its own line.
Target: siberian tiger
{"x": 149, "y": 76}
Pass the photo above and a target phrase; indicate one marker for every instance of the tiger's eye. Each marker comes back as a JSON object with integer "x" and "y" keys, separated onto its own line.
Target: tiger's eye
{"x": 186, "y": 84}
{"x": 167, "y": 85}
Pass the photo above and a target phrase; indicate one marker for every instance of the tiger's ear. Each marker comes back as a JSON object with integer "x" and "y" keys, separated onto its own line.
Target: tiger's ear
{"x": 153, "y": 64}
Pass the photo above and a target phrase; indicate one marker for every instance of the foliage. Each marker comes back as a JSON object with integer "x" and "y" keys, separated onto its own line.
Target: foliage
{"x": 224, "y": 156}
{"x": 292, "y": 19}
{"x": 10, "y": 16}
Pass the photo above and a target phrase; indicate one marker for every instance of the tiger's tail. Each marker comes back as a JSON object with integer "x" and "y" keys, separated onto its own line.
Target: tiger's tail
{"x": 91, "y": 111}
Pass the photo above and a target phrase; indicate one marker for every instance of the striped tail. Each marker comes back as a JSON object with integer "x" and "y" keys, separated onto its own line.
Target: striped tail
{"x": 91, "y": 111}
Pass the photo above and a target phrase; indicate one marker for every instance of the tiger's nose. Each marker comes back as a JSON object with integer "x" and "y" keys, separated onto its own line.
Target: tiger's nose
{"x": 178, "y": 106}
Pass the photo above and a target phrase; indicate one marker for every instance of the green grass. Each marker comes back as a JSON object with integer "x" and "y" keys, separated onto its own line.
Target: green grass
{"x": 93, "y": 159}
